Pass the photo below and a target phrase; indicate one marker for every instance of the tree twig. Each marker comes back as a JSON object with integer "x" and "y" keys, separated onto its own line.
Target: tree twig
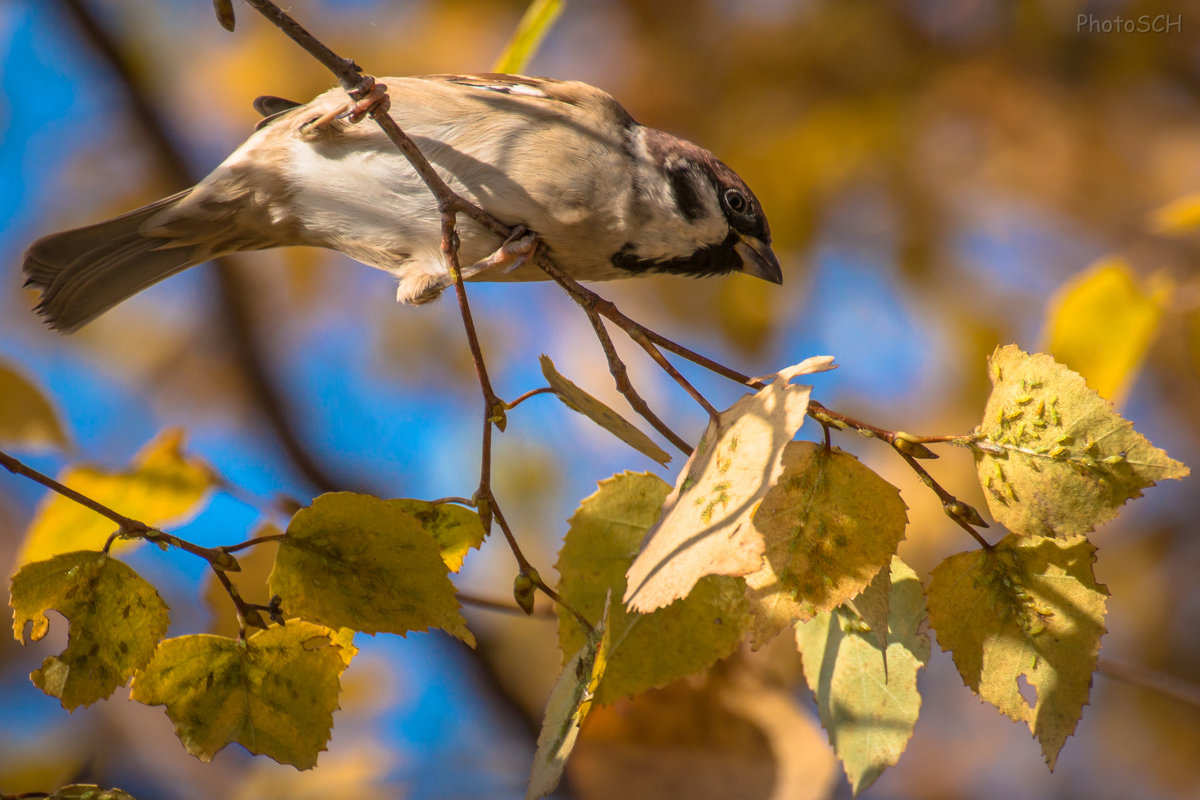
{"x": 621, "y": 376}
{"x": 1152, "y": 680}
{"x": 218, "y": 558}
{"x": 503, "y": 607}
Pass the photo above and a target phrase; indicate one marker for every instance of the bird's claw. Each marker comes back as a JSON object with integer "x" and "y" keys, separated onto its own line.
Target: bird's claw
{"x": 515, "y": 252}
{"x": 374, "y": 101}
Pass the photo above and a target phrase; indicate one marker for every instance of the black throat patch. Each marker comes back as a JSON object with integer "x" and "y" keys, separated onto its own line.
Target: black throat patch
{"x": 715, "y": 259}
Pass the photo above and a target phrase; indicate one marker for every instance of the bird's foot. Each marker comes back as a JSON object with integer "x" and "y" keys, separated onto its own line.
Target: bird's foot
{"x": 374, "y": 101}
{"x": 514, "y": 253}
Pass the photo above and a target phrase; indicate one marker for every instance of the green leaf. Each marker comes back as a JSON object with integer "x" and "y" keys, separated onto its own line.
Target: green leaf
{"x": 569, "y": 704}
{"x": 577, "y": 399}
{"x": 274, "y": 693}
{"x": 869, "y": 709}
{"x": 1101, "y": 324}
{"x": 163, "y": 486}
{"x": 115, "y": 619}
{"x": 1053, "y": 456}
{"x": 830, "y": 525}
{"x": 27, "y": 419}
{"x": 534, "y": 25}
{"x": 88, "y": 791}
{"x": 355, "y": 561}
{"x": 649, "y": 650}
{"x": 1028, "y": 609}
{"x": 706, "y": 526}
{"x": 455, "y": 529}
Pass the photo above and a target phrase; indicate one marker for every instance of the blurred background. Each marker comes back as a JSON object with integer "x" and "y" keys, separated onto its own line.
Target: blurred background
{"x": 934, "y": 171}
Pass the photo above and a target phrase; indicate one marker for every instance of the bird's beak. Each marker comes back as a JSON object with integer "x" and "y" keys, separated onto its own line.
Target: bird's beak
{"x": 758, "y": 260}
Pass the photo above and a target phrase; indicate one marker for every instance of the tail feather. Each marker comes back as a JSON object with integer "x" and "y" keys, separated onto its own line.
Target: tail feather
{"x": 84, "y": 272}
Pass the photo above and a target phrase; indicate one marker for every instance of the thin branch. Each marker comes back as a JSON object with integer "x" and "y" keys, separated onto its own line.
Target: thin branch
{"x": 358, "y": 86}
{"x": 247, "y": 613}
{"x": 669, "y": 368}
{"x": 963, "y": 514}
{"x": 128, "y": 526}
{"x": 1152, "y": 680}
{"x": 528, "y": 570}
{"x": 503, "y": 607}
{"x": 621, "y": 375}
{"x": 218, "y": 558}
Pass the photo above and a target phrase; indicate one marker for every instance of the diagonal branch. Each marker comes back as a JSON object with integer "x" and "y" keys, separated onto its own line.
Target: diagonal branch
{"x": 621, "y": 376}
{"x": 219, "y": 559}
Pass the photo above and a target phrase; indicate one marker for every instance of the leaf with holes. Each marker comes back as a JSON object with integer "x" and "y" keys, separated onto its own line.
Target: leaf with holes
{"x": 355, "y": 561}
{"x": 706, "y": 526}
{"x": 1053, "y": 456}
{"x": 274, "y": 693}
{"x": 830, "y": 525}
{"x": 116, "y": 618}
{"x": 1029, "y": 609}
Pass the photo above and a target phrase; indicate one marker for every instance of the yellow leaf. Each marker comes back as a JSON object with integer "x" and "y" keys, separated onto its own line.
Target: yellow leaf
{"x": 534, "y": 25}
{"x": 1101, "y": 324}
{"x": 455, "y": 529}
{"x": 649, "y": 650}
{"x": 1053, "y": 456}
{"x": 830, "y": 525}
{"x": 569, "y": 704}
{"x": 1180, "y": 216}
{"x": 577, "y": 399}
{"x": 116, "y": 618}
{"x": 355, "y": 561}
{"x": 706, "y": 524}
{"x": 26, "y": 417}
{"x": 274, "y": 693}
{"x": 1030, "y": 609}
{"x": 164, "y": 486}
{"x": 868, "y": 708}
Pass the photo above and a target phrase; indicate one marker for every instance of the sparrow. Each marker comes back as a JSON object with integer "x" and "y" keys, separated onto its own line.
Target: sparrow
{"x": 609, "y": 198}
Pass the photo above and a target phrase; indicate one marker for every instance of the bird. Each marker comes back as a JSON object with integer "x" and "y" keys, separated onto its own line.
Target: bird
{"x": 607, "y": 197}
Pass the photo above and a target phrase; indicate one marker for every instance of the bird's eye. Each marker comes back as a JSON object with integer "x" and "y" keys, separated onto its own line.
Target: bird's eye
{"x": 736, "y": 201}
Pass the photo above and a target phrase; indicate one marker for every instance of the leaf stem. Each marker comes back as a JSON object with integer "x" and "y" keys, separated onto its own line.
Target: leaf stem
{"x": 531, "y": 393}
